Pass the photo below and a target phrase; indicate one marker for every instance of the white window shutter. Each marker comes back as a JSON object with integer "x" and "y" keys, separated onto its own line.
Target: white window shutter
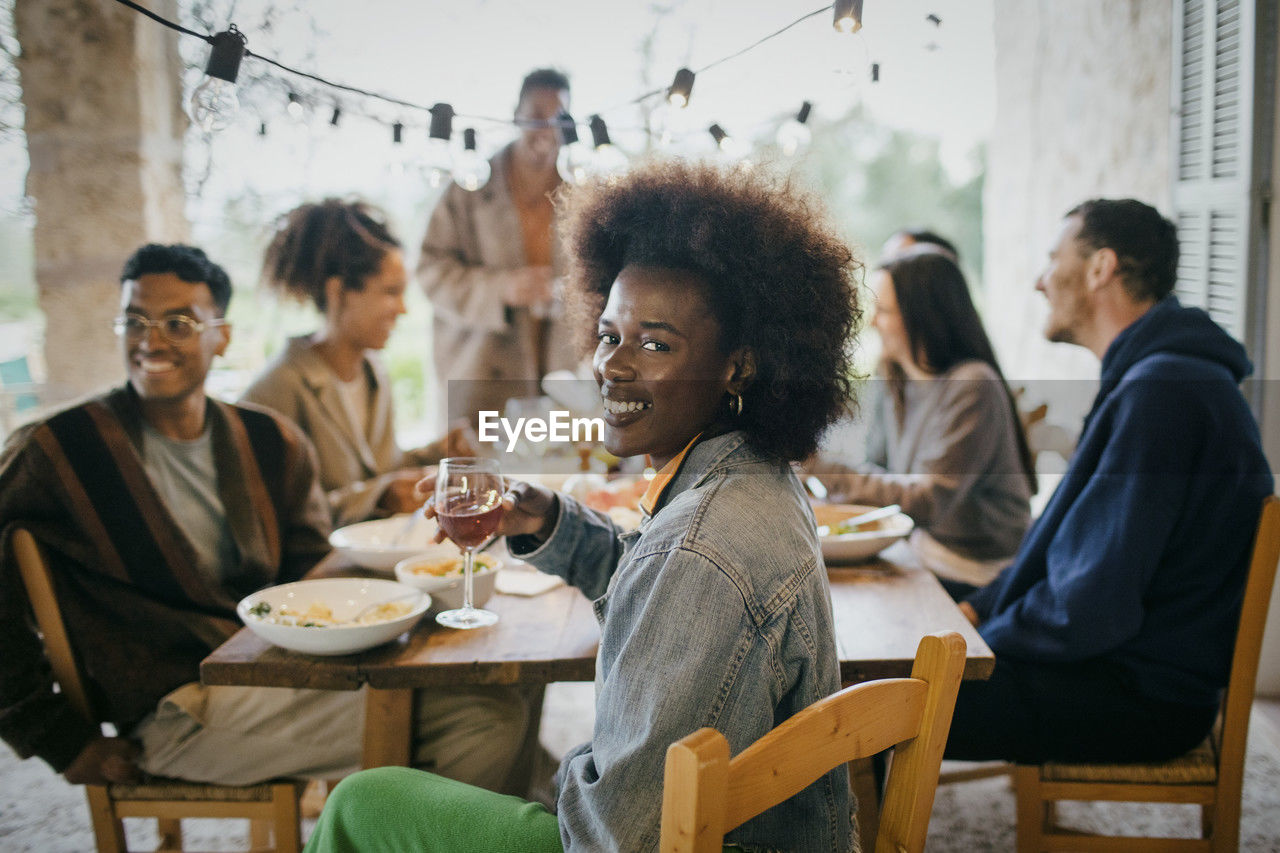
{"x": 1218, "y": 187}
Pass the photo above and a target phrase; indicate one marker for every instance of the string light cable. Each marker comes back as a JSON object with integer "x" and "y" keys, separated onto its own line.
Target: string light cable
{"x": 667, "y": 89}
{"x": 399, "y": 102}
{"x": 214, "y": 103}
{"x": 315, "y": 78}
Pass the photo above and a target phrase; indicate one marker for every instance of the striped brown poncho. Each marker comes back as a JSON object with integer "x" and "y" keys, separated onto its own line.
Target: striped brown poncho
{"x": 140, "y": 615}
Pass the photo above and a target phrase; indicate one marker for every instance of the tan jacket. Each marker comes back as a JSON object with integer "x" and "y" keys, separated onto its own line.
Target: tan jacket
{"x": 488, "y": 349}
{"x": 354, "y": 469}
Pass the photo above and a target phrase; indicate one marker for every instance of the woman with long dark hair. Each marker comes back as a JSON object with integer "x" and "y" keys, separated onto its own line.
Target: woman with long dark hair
{"x": 944, "y": 439}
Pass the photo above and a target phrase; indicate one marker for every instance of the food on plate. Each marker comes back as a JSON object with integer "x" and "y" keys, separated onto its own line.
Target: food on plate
{"x": 320, "y": 615}
{"x": 627, "y": 518}
{"x": 625, "y": 493}
{"x": 855, "y": 526}
{"x": 619, "y": 499}
{"x": 835, "y": 517}
{"x": 449, "y": 565}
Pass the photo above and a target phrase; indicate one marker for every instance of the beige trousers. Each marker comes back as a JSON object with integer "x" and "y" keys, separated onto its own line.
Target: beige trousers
{"x": 244, "y": 735}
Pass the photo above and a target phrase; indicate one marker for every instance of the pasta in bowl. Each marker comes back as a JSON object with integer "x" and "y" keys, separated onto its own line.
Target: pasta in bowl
{"x": 863, "y": 543}
{"x": 333, "y": 616}
{"x": 438, "y": 570}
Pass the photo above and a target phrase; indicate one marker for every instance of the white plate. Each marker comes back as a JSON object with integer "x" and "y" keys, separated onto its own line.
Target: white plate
{"x": 383, "y": 542}
{"x": 446, "y": 590}
{"x": 346, "y": 597}
{"x": 862, "y": 544}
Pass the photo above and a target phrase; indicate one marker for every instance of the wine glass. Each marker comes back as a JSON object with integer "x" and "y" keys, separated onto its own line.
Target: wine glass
{"x": 469, "y": 509}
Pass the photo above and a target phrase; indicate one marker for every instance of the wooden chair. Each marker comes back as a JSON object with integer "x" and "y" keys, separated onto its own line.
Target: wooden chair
{"x": 1211, "y": 775}
{"x": 271, "y": 807}
{"x": 706, "y": 794}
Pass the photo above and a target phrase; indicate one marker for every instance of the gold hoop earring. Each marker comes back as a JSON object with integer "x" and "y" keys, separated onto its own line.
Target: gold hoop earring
{"x": 735, "y": 405}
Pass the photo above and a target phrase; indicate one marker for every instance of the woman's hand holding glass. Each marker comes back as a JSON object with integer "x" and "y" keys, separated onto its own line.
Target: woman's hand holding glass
{"x": 469, "y": 506}
{"x": 529, "y": 509}
{"x": 472, "y": 508}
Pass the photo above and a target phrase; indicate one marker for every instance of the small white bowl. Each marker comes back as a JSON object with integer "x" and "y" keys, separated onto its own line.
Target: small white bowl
{"x": 446, "y": 590}
{"x": 862, "y": 544}
{"x": 383, "y": 542}
{"x": 346, "y": 597}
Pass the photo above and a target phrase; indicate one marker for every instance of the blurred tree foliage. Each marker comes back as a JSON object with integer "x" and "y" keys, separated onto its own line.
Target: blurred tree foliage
{"x": 17, "y": 268}
{"x": 878, "y": 179}
{"x": 17, "y": 254}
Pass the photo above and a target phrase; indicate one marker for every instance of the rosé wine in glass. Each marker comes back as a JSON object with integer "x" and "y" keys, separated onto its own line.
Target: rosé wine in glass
{"x": 469, "y": 509}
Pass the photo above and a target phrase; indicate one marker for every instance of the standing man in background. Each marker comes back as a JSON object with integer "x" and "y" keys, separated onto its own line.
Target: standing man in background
{"x": 489, "y": 264}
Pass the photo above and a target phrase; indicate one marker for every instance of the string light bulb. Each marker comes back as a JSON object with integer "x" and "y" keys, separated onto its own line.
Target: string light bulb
{"x": 396, "y": 164}
{"x": 609, "y": 160}
{"x": 875, "y": 72}
{"x": 396, "y": 161}
{"x": 295, "y": 109}
{"x": 731, "y": 147}
{"x": 575, "y": 159}
{"x": 214, "y": 102}
{"x": 337, "y": 116}
{"x": 794, "y": 135}
{"x": 470, "y": 170}
{"x": 681, "y": 88}
{"x": 848, "y": 16}
{"x": 437, "y": 158}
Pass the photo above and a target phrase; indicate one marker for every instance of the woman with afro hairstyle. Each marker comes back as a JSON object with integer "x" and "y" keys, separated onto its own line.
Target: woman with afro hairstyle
{"x": 721, "y": 306}
{"x": 341, "y": 257}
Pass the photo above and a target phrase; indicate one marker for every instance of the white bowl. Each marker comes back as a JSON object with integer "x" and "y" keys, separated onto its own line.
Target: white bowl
{"x": 346, "y": 597}
{"x": 383, "y": 542}
{"x": 862, "y": 544}
{"x": 446, "y": 590}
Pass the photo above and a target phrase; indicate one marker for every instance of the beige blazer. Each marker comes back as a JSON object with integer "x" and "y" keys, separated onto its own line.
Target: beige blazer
{"x": 354, "y": 469}
{"x": 484, "y": 347}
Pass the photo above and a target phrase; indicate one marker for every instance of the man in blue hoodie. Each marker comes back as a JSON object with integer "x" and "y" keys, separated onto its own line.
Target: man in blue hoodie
{"x": 1113, "y": 627}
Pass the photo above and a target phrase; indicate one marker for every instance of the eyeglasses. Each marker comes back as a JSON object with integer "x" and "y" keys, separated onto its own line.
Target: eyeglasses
{"x": 176, "y": 329}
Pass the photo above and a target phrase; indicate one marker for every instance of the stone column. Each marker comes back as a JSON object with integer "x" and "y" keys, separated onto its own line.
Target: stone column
{"x": 102, "y": 88}
{"x": 1082, "y": 110}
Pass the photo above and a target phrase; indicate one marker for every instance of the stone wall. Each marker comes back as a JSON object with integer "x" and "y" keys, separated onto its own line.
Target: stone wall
{"x": 1082, "y": 110}
{"x": 102, "y": 90}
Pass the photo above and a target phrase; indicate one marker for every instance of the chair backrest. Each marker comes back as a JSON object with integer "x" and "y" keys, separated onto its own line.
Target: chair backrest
{"x": 705, "y": 794}
{"x": 1243, "y": 680}
{"x": 39, "y": 583}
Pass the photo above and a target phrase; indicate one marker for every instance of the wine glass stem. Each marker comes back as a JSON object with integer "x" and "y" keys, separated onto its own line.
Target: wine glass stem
{"x": 467, "y": 557}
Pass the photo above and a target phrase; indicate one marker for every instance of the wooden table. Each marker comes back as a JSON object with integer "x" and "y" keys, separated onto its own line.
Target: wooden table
{"x": 882, "y": 609}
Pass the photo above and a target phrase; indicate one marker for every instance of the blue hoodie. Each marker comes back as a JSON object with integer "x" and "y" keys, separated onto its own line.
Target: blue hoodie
{"x": 1141, "y": 554}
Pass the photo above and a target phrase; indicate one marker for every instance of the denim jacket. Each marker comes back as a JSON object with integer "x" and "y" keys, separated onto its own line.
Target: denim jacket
{"x": 716, "y": 612}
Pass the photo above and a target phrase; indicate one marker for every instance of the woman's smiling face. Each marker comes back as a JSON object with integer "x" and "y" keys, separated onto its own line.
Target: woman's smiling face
{"x": 659, "y": 363}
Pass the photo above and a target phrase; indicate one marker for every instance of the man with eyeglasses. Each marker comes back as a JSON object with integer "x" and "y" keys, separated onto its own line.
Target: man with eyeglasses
{"x": 158, "y": 509}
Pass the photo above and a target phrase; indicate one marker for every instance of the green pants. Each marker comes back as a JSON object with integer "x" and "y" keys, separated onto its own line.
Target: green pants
{"x": 397, "y": 809}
